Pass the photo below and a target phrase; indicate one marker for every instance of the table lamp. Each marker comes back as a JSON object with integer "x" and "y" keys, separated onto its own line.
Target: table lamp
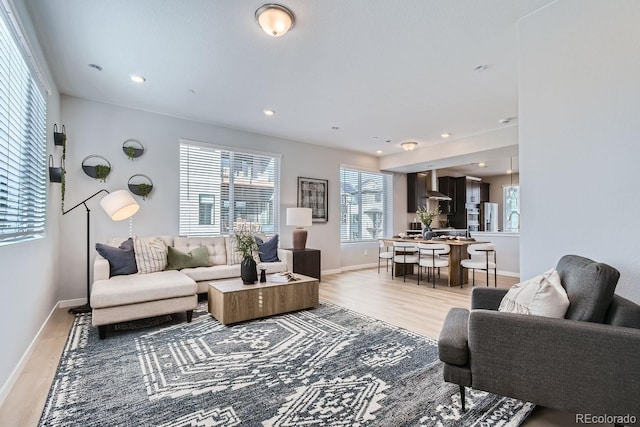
{"x": 299, "y": 217}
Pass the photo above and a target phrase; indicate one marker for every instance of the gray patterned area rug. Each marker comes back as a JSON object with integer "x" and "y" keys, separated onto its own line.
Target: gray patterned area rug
{"x": 322, "y": 367}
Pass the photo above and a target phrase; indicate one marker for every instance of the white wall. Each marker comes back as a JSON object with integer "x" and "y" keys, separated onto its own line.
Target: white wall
{"x": 101, "y": 129}
{"x": 579, "y": 103}
{"x": 29, "y": 269}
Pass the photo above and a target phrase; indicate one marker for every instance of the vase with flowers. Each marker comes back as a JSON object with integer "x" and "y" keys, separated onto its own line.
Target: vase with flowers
{"x": 426, "y": 216}
{"x": 246, "y": 244}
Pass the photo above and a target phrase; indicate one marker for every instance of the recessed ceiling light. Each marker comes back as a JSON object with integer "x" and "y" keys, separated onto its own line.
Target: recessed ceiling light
{"x": 445, "y": 135}
{"x": 509, "y": 171}
{"x": 505, "y": 121}
{"x": 335, "y": 127}
{"x": 136, "y": 78}
{"x": 95, "y": 67}
{"x": 482, "y": 164}
{"x": 268, "y": 112}
{"x": 479, "y": 68}
{"x": 379, "y": 152}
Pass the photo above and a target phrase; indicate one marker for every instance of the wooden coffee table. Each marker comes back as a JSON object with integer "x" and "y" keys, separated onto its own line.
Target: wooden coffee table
{"x": 230, "y": 301}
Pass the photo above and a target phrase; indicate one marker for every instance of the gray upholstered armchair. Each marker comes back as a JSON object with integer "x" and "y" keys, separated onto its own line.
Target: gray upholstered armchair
{"x": 588, "y": 362}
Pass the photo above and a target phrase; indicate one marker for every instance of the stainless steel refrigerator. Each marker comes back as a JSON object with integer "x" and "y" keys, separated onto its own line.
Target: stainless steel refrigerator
{"x": 488, "y": 217}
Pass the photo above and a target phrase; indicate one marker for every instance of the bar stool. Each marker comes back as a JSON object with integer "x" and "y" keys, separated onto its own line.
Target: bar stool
{"x": 404, "y": 253}
{"x": 384, "y": 253}
{"x": 480, "y": 260}
{"x": 431, "y": 256}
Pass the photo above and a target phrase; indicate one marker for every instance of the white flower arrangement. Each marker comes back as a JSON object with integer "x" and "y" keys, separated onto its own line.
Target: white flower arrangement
{"x": 426, "y": 216}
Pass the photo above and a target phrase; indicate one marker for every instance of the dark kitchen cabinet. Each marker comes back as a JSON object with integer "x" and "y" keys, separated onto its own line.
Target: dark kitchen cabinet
{"x": 472, "y": 191}
{"x": 416, "y": 191}
{"x": 447, "y": 185}
{"x": 484, "y": 192}
{"x": 467, "y": 193}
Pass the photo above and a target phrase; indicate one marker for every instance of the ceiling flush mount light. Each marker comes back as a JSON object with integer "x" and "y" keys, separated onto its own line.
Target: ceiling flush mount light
{"x": 136, "y": 78}
{"x": 379, "y": 152}
{"x": 268, "y": 112}
{"x": 482, "y": 164}
{"x": 445, "y": 135}
{"x": 409, "y": 145}
{"x": 275, "y": 19}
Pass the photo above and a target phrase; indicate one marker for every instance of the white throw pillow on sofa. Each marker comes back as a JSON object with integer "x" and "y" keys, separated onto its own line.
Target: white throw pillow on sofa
{"x": 541, "y": 296}
{"x": 151, "y": 254}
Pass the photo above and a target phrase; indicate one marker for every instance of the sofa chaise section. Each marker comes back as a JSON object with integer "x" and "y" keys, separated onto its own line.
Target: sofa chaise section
{"x": 137, "y": 296}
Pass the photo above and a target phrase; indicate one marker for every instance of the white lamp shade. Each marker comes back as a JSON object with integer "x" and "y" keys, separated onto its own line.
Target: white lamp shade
{"x": 274, "y": 19}
{"x": 299, "y": 217}
{"x": 119, "y": 205}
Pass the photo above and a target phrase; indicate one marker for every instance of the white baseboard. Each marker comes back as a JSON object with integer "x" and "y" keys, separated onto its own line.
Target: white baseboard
{"x": 349, "y": 268}
{"x": 72, "y": 302}
{"x": 8, "y": 385}
{"x": 508, "y": 273}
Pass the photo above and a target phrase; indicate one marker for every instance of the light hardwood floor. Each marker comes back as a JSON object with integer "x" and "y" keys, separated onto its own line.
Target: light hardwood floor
{"x": 420, "y": 309}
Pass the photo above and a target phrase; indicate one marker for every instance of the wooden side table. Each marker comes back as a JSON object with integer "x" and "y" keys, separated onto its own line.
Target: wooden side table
{"x": 306, "y": 261}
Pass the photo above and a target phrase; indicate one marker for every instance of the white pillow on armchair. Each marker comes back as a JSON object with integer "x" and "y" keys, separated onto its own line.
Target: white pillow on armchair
{"x": 541, "y": 296}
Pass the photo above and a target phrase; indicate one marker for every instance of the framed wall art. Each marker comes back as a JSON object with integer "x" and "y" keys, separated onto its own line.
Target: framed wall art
{"x": 314, "y": 193}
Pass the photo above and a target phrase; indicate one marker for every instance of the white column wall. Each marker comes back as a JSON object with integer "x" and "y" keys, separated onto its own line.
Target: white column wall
{"x": 579, "y": 103}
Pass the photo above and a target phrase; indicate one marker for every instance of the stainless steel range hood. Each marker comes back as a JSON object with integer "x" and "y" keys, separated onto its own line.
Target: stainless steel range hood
{"x": 434, "y": 194}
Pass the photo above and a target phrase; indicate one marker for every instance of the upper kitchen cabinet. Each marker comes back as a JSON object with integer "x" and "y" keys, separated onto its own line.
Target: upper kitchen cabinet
{"x": 416, "y": 191}
{"x": 473, "y": 191}
{"x": 484, "y": 192}
{"x": 447, "y": 185}
{"x": 467, "y": 191}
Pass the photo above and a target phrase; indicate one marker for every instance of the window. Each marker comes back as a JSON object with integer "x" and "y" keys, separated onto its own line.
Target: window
{"x": 207, "y": 209}
{"x": 219, "y": 187}
{"x": 23, "y": 163}
{"x": 366, "y": 205}
{"x": 511, "y": 203}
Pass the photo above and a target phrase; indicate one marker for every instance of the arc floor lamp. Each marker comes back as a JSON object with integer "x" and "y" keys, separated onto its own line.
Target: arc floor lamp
{"x": 118, "y": 205}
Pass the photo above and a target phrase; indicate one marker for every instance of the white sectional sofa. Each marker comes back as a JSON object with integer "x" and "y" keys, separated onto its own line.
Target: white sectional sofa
{"x": 136, "y": 296}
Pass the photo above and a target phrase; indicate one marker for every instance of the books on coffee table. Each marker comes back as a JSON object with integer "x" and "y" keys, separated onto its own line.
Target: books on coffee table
{"x": 283, "y": 277}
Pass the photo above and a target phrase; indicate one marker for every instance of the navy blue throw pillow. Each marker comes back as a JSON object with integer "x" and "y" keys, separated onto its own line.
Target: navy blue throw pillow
{"x": 268, "y": 249}
{"x": 122, "y": 260}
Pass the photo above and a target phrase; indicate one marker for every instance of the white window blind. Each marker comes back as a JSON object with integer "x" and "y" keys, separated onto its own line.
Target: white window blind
{"x": 366, "y": 205}
{"x": 23, "y": 163}
{"x": 220, "y": 187}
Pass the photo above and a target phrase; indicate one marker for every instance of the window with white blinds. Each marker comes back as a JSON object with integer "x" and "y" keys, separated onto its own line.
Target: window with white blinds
{"x": 366, "y": 205}
{"x": 23, "y": 162}
{"x": 220, "y": 187}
